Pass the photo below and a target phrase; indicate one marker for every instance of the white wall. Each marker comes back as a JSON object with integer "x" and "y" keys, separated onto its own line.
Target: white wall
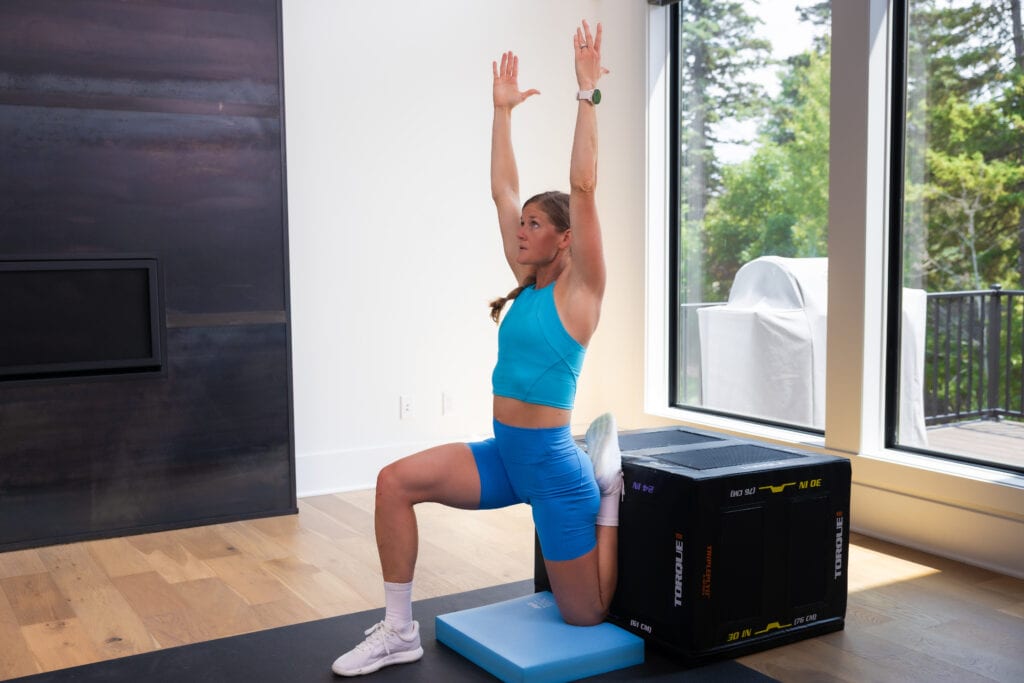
{"x": 393, "y": 241}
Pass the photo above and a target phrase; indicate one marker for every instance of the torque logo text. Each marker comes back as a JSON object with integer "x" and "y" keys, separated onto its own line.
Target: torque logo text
{"x": 839, "y": 544}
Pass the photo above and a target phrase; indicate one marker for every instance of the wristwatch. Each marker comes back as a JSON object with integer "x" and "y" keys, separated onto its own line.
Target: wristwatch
{"x": 592, "y": 96}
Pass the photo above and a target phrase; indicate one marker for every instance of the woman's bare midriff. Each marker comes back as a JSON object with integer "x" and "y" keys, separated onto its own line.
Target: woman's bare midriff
{"x": 516, "y": 413}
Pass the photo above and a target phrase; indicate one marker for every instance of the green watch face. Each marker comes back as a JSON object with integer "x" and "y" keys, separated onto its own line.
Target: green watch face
{"x": 596, "y": 98}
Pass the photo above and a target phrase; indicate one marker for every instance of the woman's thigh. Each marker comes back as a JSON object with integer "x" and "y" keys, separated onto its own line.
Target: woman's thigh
{"x": 444, "y": 474}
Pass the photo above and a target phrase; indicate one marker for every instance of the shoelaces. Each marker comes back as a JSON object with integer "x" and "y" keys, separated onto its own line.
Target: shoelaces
{"x": 377, "y": 633}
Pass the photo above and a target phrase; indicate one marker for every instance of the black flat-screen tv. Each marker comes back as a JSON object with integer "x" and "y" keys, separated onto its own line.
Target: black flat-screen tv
{"x": 73, "y": 317}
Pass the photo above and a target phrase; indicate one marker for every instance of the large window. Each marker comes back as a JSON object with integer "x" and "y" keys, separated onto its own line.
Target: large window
{"x": 915, "y": 494}
{"x": 751, "y": 234}
{"x": 959, "y": 230}
{"x": 750, "y": 272}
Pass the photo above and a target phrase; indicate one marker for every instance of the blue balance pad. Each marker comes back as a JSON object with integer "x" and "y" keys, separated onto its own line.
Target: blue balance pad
{"x": 525, "y": 640}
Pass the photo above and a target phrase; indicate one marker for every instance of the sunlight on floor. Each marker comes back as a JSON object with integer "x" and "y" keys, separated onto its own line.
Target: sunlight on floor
{"x": 871, "y": 569}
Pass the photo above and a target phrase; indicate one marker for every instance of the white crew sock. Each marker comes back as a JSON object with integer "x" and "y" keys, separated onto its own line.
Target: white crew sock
{"x": 398, "y": 605}
{"x": 608, "y": 510}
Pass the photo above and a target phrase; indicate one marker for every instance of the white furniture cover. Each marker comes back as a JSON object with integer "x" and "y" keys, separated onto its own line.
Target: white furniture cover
{"x": 763, "y": 352}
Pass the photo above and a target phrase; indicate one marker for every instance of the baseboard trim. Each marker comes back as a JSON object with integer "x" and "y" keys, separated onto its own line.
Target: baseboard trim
{"x": 353, "y": 469}
{"x": 955, "y": 532}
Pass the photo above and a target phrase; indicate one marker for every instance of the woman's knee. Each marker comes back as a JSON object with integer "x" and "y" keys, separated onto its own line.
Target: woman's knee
{"x": 577, "y": 592}
{"x": 582, "y": 613}
{"x": 391, "y": 483}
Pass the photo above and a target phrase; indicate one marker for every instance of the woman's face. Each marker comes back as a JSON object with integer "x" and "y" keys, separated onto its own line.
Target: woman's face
{"x": 539, "y": 239}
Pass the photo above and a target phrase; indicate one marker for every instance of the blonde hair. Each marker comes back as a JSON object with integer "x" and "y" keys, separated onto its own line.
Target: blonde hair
{"x": 555, "y": 206}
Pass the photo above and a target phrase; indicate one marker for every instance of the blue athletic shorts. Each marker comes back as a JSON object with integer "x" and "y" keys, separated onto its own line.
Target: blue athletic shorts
{"x": 545, "y": 468}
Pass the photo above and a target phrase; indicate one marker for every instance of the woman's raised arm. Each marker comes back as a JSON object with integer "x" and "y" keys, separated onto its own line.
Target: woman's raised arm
{"x": 504, "y": 174}
{"x": 587, "y": 251}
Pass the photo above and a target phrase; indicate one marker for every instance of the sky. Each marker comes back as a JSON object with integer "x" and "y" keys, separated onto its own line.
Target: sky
{"x": 789, "y": 36}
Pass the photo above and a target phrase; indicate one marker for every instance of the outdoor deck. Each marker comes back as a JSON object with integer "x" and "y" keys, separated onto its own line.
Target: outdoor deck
{"x": 1001, "y": 441}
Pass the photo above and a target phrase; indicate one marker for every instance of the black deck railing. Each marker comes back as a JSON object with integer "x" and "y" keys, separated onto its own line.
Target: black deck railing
{"x": 974, "y": 349}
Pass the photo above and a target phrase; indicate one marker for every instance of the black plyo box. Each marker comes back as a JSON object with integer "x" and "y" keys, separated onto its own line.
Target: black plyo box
{"x": 728, "y": 546}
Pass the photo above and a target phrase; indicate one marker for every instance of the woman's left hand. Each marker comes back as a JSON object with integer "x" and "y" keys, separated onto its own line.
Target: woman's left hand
{"x": 587, "y": 48}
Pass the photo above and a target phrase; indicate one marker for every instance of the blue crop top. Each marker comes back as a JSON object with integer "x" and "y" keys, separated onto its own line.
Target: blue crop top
{"x": 538, "y": 360}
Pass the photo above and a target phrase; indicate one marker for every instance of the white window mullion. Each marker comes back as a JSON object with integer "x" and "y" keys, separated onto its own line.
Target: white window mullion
{"x": 656, "y": 358}
{"x": 858, "y": 200}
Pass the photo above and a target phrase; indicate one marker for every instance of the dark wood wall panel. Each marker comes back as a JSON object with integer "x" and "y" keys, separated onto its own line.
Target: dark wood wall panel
{"x": 209, "y": 440}
{"x": 169, "y": 49}
{"x": 150, "y": 127}
{"x": 205, "y": 191}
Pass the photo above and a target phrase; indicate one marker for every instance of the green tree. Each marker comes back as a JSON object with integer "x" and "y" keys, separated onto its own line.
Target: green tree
{"x": 963, "y": 222}
{"x": 972, "y": 203}
{"x": 751, "y": 217}
{"x": 964, "y": 186}
{"x": 776, "y": 202}
{"x": 719, "y": 55}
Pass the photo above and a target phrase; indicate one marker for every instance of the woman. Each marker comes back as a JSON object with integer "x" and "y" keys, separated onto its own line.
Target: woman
{"x": 553, "y": 246}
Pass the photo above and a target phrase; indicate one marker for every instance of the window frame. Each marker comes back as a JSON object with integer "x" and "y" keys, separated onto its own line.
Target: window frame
{"x": 973, "y": 513}
{"x": 900, "y": 41}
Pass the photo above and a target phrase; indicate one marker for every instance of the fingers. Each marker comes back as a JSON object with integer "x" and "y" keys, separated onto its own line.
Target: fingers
{"x": 509, "y": 69}
{"x": 506, "y": 81}
{"x": 585, "y": 38}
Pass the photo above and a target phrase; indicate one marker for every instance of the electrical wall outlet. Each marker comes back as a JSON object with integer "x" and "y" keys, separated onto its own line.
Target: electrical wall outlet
{"x": 406, "y": 407}
{"x": 447, "y": 403}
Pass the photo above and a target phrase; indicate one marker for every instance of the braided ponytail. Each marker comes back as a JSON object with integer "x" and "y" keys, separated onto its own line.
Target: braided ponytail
{"x": 500, "y": 302}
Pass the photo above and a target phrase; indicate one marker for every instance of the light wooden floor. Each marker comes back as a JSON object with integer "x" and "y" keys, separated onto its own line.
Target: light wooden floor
{"x": 911, "y": 616}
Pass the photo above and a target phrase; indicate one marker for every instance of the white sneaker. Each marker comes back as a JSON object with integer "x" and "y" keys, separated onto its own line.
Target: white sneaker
{"x": 383, "y": 647}
{"x": 603, "y": 448}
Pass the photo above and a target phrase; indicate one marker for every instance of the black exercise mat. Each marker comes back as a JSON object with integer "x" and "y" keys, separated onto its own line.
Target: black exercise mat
{"x": 304, "y": 652}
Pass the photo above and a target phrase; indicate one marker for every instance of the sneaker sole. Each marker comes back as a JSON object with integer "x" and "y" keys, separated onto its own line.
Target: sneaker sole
{"x": 396, "y": 658}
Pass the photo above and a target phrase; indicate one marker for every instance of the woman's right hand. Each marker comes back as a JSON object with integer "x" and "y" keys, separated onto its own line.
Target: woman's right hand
{"x": 587, "y": 49}
{"x": 506, "y": 82}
